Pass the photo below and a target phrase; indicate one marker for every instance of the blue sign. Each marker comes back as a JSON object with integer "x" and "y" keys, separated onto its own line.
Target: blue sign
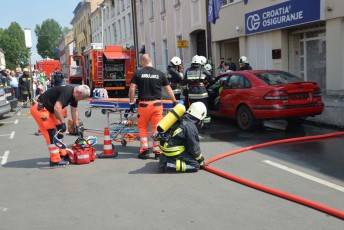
{"x": 290, "y": 13}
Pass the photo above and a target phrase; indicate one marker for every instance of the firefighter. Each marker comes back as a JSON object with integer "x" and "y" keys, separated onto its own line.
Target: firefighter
{"x": 244, "y": 64}
{"x": 25, "y": 86}
{"x": 175, "y": 75}
{"x": 195, "y": 79}
{"x": 47, "y": 111}
{"x": 149, "y": 82}
{"x": 180, "y": 147}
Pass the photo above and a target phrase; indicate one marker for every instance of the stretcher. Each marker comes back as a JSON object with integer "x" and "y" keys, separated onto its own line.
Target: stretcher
{"x": 126, "y": 129}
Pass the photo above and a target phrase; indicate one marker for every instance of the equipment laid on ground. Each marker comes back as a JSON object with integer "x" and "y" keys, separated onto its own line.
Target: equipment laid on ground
{"x": 82, "y": 151}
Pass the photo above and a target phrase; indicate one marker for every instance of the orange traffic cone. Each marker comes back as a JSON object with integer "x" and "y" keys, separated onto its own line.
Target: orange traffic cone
{"x": 108, "y": 147}
{"x": 39, "y": 132}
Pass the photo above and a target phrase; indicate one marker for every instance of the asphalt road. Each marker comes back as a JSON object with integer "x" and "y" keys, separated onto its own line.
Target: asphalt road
{"x": 129, "y": 193}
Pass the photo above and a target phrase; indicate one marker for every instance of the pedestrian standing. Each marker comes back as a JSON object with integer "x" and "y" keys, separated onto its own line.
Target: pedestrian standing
{"x": 149, "y": 83}
{"x": 47, "y": 111}
{"x": 14, "y": 83}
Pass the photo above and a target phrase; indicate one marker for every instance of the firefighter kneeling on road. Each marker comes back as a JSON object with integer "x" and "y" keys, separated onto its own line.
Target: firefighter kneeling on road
{"x": 180, "y": 147}
{"x": 47, "y": 111}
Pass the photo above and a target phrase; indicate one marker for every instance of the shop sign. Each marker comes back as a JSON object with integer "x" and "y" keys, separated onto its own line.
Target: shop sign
{"x": 286, "y": 14}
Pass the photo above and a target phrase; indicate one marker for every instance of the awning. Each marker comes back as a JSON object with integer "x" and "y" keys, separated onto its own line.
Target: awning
{"x": 116, "y": 55}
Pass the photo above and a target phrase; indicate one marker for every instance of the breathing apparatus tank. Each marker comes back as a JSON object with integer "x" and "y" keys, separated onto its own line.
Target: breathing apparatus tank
{"x": 171, "y": 118}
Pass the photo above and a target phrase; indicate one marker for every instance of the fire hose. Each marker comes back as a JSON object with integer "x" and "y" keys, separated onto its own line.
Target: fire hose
{"x": 323, "y": 208}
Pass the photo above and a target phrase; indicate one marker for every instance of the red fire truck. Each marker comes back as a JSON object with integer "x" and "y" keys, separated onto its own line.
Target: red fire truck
{"x": 76, "y": 69}
{"x": 111, "y": 68}
{"x": 48, "y": 65}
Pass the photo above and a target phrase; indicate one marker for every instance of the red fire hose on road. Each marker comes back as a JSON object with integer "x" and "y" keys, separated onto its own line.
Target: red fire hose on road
{"x": 300, "y": 200}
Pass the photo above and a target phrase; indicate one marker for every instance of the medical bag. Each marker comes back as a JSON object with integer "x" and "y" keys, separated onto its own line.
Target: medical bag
{"x": 82, "y": 151}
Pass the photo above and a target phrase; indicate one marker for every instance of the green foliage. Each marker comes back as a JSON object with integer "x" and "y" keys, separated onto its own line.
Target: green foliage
{"x": 12, "y": 42}
{"x": 48, "y": 36}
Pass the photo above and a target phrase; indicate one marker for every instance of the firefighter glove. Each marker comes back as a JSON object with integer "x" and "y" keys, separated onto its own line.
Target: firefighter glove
{"x": 63, "y": 127}
{"x": 132, "y": 107}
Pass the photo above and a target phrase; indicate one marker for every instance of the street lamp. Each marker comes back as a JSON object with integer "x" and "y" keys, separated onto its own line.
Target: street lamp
{"x": 102, "y": 7}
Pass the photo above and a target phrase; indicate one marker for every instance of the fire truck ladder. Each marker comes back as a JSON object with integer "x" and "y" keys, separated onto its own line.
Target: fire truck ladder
{"x": 100, "y": 64}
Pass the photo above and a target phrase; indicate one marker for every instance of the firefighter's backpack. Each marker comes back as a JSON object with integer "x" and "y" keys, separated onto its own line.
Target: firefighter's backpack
{"x": 83, "y": 151}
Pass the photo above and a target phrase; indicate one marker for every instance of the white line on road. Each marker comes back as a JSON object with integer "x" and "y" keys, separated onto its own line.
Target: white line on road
{"x": 304, "y": 175}
{"x": 12, "y": 135}
{"x": 5, "y": 157}
{"x": 16, "y": 122}
{"x": 19, "y": 113}
{"x": 2, "y": 209}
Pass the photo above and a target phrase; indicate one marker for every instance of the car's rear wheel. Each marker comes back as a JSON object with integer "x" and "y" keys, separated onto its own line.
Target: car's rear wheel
{"x": 245, "y": 118}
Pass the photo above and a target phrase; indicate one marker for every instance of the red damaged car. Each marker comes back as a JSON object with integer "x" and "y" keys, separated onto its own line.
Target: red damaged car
{"x": 257, "y": 95}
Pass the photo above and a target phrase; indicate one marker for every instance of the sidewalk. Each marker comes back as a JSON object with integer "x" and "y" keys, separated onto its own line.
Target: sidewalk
{"x": 333, "y": 114}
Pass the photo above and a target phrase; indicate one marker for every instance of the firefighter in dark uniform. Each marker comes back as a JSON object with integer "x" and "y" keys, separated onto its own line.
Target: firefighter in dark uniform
{"x": 25, "y": 86}
{"x": 244, "y": 64}
{"x": 180, "y": 147}
{"x": 175, "y": 75}
{"x": 195, "y": 79}
{"x": 149, "y": 82}
{"x": 48, "y": 114}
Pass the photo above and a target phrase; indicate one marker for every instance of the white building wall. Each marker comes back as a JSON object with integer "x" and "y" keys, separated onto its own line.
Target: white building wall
{"x": 183, "y": 20}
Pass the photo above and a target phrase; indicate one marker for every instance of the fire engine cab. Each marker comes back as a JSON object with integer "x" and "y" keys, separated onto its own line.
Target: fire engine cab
{"x": 75, "y": 69}
{"x": 111, "y": 68}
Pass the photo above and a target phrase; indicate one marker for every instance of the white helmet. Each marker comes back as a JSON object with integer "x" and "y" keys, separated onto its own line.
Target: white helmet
{"x": 25, "y": 70}
{"x": 2, "y": 68}
{"x": 196, "y": 60}
{"x": 198, "y": 110}
{"x": 208, "y": 67}
{"x": 176, "y": 61}
{"x": 243, "y": 59}
{"x": 203, "y": 60}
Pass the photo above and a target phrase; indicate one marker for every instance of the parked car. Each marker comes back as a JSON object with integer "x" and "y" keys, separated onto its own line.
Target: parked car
{"x": 5, "y": 106}
{"x": 253, "y": 96}
{"x": 10, "y": 96}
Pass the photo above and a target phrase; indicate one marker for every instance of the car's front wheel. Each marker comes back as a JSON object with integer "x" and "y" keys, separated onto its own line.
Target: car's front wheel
{"x": 245, "y": 118}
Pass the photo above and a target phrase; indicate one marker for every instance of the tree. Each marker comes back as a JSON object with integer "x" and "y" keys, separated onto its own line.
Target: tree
{"x": 12, "y": 41}
{"x": 48, "y": 36}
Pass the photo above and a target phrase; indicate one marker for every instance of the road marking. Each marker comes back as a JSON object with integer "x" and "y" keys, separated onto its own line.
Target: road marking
{"x": 304, "y": 175}
{"x": 5, "y": 157}
{"x": 12, "y": 135}
{"x": 19, "y": 113}
{"x": 7, "y": 122}
{"x": 16, "y": 122}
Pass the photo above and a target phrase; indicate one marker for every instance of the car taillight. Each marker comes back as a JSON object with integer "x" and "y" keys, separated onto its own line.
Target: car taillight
{"x": 317, "y": 92}
{"x": 276, "y": 95}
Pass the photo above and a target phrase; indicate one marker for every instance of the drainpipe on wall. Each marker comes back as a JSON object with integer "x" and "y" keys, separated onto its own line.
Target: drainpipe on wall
{"x": 133, "y": 14}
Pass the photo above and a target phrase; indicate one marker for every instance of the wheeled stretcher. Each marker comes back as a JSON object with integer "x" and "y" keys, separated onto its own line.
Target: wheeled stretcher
{"x": 126, "y": 129}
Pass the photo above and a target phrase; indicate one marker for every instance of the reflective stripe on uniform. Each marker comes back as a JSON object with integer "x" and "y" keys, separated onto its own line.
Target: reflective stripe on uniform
{"x": 199, "y": 157}
{"x": 53, "y": 149}
{"x": 177, "y": 165}
{"x": 198, "y": 96}
{"x": 176, "y": 132}
{"x": 171, "y": 151}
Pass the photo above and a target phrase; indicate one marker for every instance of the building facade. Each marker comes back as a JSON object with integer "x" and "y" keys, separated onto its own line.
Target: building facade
{"x": 303, "y": 37}
{"x": 81, "y": 25}
{"x": 163, "y": 24}
{"x": 116, "y": 16}
{"x": 66, "y": 46}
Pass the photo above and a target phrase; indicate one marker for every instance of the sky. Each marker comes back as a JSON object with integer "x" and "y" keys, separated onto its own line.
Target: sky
{"x": 30, "y": 13}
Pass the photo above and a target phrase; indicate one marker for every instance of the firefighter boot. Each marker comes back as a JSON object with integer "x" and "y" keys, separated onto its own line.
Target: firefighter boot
{"x": 59, "y": 163}
{"x": 144, "y": 154}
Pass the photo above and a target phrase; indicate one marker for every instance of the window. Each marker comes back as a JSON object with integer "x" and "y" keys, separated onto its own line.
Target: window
{"x": 153, "y": 54}
{"x": 124, "y": 29}
{"x": 151, "y": 2}
{"x": 165, "y": 53}
{"x": 141, "y": 12}
{"x": 114, "y": 33}
{"x": 119, "y": 31}
{"x": 163, "y": 5}
{"x": 130, "y": 25}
